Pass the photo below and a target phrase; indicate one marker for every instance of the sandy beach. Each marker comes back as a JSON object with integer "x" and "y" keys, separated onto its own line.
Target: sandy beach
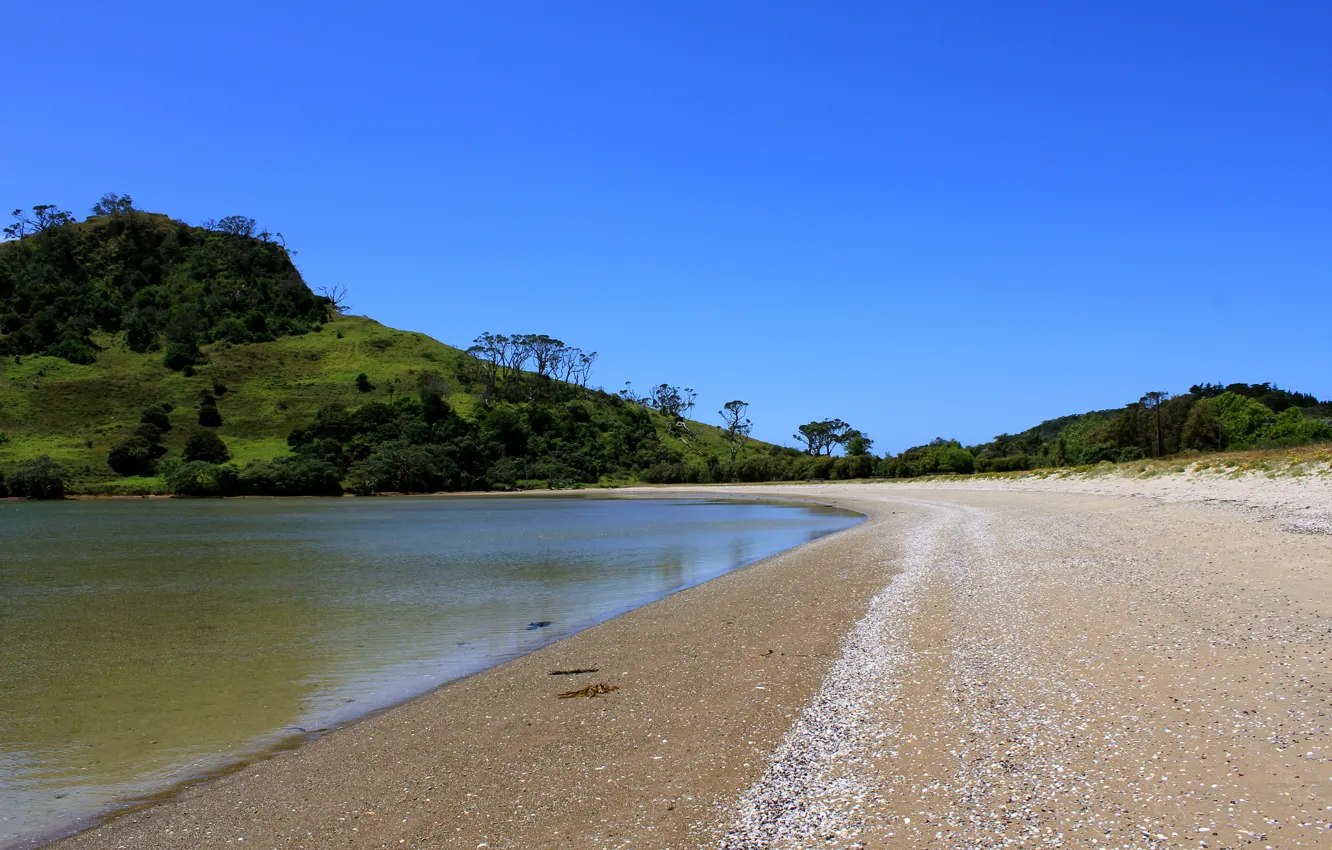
{"x": 1126, "y": 664}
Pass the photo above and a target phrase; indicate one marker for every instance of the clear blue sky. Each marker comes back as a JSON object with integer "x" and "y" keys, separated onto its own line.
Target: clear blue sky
{"x": 927, "y": 219}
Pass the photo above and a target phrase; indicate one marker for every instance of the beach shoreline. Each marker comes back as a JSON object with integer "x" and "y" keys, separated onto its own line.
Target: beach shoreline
{"x": 712, "y": 736}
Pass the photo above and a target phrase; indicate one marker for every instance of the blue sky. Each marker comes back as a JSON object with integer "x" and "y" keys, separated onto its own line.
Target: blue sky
{"x": 927, "y": 219}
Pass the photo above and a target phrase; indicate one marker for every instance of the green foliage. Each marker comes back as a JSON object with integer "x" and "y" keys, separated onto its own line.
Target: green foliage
{"x": 206, "y": 446}
{"x": 422, "y": 444}
{"x": 155, "y": 279}
{"x": 1244, "y": 422}
{"x": 363, "y": 384}
{"x": 200, "y": 479}
{"x": 290, "y": 476}
{"x": 39, "y": 478}
{"x": 158, "y": 416}
{"x": 209, "y": 416}
{"x": 1293, "y": 428}
{"x": 132, "y": 456}
{"x": 1202, "y": 428}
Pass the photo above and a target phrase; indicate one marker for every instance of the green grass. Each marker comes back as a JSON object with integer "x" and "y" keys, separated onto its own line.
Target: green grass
{"x": 76, "y": 413}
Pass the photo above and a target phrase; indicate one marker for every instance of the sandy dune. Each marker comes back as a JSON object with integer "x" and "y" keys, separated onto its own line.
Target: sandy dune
{"x": 1028, "y": 666}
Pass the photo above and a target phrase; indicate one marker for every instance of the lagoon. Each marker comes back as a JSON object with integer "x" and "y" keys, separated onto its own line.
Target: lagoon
{"x": 147, "y": 643}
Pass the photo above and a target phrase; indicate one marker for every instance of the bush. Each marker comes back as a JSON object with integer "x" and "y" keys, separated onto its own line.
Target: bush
{"x": 200, "y": 479}
{"x": 209, "y": 416}
{"x": 132, "y": 456}
{"x": 206, "y": 446}
{"x": 363, "y": 383}
{"x": 290, "y": 476}
{"x": 180, "y": 355}
{"x": 39, "y": 478}
{"x": 955, "y": 460}
{"x": 157, "y": 417}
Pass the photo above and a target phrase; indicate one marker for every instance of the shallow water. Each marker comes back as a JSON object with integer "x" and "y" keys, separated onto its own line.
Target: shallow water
{"x": 144, "y": 643}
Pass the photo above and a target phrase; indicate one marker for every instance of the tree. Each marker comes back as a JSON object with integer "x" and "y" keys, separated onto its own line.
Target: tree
{"x": 39, "y": 478}
{"x": 737, "y": 427}
{"x": 432, "y": 389}
{"x": 209, "y": 415}
{"x": 670, "y": 401}
{"x": 44, "y": 217}
{"x": 236, "y": 225}
{"x": 336, "y": 295}
{"x": 544, "y": 352}
{"x": 857, "y": 444}
{"x": 113, "y": 204}
{"x": 157, "y": 416}
{"x": 825, "y": 435}
{"x": 206, "y": 446}
{"x": 182, "y": 340}
{"x": 1152, "y": 402}
{"x": 363, "y": 383}
{"x": 132, "y": 456}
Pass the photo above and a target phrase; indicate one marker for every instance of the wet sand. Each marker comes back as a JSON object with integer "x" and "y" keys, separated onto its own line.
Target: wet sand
{"x": 964, "y": 669}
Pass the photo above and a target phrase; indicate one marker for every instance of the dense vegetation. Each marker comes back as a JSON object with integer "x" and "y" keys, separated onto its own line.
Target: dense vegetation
{"x": 166, "y": 285}
{"x": 1208, "y": 417}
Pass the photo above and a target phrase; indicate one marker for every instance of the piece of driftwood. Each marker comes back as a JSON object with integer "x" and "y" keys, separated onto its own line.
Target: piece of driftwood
{"x": 590, "y": 691}
{"x": 575, "y": 672}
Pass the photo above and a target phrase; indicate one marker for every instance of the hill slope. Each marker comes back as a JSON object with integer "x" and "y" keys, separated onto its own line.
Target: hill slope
{"x": 76, "y": 412}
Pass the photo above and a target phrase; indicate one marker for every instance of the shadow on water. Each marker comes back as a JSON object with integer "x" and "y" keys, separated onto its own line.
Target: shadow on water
{"x": 148, "y": 644}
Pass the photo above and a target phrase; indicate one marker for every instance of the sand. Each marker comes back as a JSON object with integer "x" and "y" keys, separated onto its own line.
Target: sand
{"x": 1026, "y": 667}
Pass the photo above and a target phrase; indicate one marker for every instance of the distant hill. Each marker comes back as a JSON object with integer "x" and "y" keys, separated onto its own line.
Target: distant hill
{"x": 1208, "y": 417}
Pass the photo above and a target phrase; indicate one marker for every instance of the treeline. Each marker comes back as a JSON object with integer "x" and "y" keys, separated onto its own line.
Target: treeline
{"x": 1208, "y": 417}
{"x": 167, "y": 285}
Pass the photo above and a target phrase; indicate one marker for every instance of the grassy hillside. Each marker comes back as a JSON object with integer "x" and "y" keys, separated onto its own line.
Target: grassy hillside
{"x": 75, "y": 413}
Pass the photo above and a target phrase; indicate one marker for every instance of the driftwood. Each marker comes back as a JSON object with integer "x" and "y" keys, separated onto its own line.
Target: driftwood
{"x": 575, "y": 672}
{"x": 590, "y": 691}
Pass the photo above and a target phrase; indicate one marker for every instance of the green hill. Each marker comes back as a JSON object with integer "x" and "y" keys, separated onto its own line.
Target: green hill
{"x": 140, "y": 340}
{"x": 75, "y": 412}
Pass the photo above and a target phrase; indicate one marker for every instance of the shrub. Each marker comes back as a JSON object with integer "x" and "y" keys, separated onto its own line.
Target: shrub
{"x": 157, "y": 417}
{"x": 209, "y": 416}
{"x": 363, "y": 383}
{"x": 290, "y": 476}
{"x": 180, "y": 355}
{"x": 955, "y": 460}
{"x": 132, "y": 456}
{"x": 206, "y": 446}
{"x": 232, "y": 330}
{"x": 39, "y": 478}
{"x": 200, "y": 479}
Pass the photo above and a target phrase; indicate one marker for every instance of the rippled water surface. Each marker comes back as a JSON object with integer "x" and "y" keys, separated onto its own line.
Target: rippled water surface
{"x": 143, "y": 643}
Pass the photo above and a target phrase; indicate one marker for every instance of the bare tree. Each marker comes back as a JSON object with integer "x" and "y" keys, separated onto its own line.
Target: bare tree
{"x": 336, "y": 295}
{"x": 736, "y": 432}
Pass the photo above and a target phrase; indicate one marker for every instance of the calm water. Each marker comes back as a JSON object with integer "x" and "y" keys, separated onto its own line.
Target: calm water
{"x": 145, "y": 643}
